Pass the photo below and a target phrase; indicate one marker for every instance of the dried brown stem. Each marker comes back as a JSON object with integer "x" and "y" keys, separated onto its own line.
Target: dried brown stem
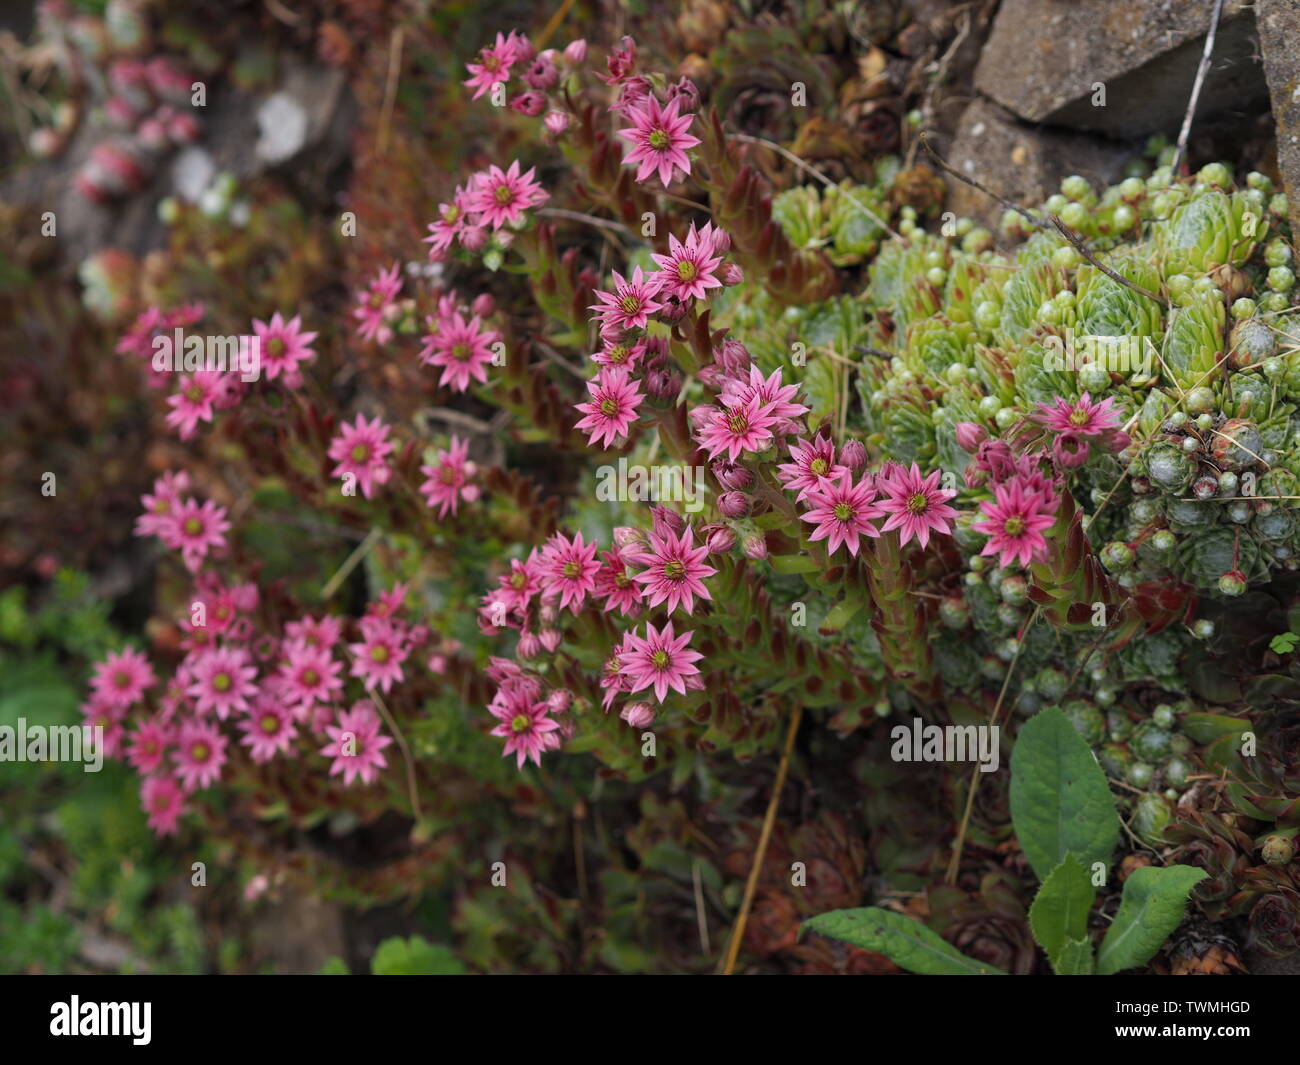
{"x": 1051, "y": 222}
{"x": 751, "y": 886}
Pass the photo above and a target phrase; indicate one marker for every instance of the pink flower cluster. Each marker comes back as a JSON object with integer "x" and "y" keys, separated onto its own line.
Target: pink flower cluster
{"x": 1025, "y": 500}
{"x": 658, "y": 137}
{"x": 459, "y": 344}
{"x": 489, "y": 200}
{"x": 361, "y": 452}
{"x": 181, "y": 522}
{"x": 843, "y": 509}
{"x": 240, "y": 689}
{"x": 540, "y": 72}
{"x": 641, "y": 571}
{"x": 282, "y": 345}
{"x": 630, "y": 357}
{"x": 450, "y": 478}
{"x": 377, "y": 309}
{"x": 1077, "y": 426}
{"x": 751, "y": 412}
{"x": 149, "y": 325}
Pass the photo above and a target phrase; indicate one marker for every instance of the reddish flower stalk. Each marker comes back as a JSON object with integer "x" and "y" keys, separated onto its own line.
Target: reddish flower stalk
{"x": 900, "y": 619}
{"x": 742, "y": 205}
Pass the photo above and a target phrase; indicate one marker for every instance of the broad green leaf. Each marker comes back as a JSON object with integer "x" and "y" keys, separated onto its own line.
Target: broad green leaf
{"x": 1206, "y": 728}
{"x": 841, "y": 614}
{"x": 773, "y": 519}
{"x": 1283, "y": 643}
{"x": 1060, "y": 910}
{"x": 905, "y": 942}
{"x": 414, "y": 957}
{"x": 1075, "y": 959}
{"x": 793, "y": 564}
{"x": 1060, "y": 801}
{"x": 1150, "y": 909}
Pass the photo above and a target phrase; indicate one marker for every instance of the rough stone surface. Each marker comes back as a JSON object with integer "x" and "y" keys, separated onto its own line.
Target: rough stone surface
{"x": 1279, "y": 34}
{"x": 1020, "y": 162}
{"x": 1044, "y": 58}
{"x": 229, "y": 140}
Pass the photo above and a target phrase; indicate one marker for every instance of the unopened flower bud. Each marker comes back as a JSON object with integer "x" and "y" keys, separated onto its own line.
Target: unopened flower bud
{"x": 970, "y": 435}
{"x": 754, "y": 547}
{"x": 732, "y": 476}
{"x": 1118, "y": 441}
{"x": 666, "y": 522}
{"x": 673, "y": 310}
{"x": 541, "y": 75}
{"x": 559, "y": 700}
{"x": 529, "y": 646}
{"x": 556, "y": 122}
{"x": 699, "y": 416}
{"x": 629, "y": 536}
{"x": 576, "y": 51}
{"x": 731, "y": 274}
{"x": 733, "y": 505}
{"x": 550, "y": 638}
{"x": 473, "y": 238}
{"x": 483, "y": 305}
{"x": 638, "y": 715}
{"x": 733, "y": 357}
{"x": 719, "y": 539}
{"x": 663, "y": 385}
{"x": 853, "y": 455}
{"x": 685, "y": 91}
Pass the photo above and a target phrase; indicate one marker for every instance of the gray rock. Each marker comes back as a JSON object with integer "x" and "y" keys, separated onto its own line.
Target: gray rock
{"x": 282, "y": 124}
{"x": 323, "y": 115}
{"x": 1045, "y": 57}
{"x": 192, "y": 173}
{"x": 1279, "y": 30}
{"x": 1020, "y": 162}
